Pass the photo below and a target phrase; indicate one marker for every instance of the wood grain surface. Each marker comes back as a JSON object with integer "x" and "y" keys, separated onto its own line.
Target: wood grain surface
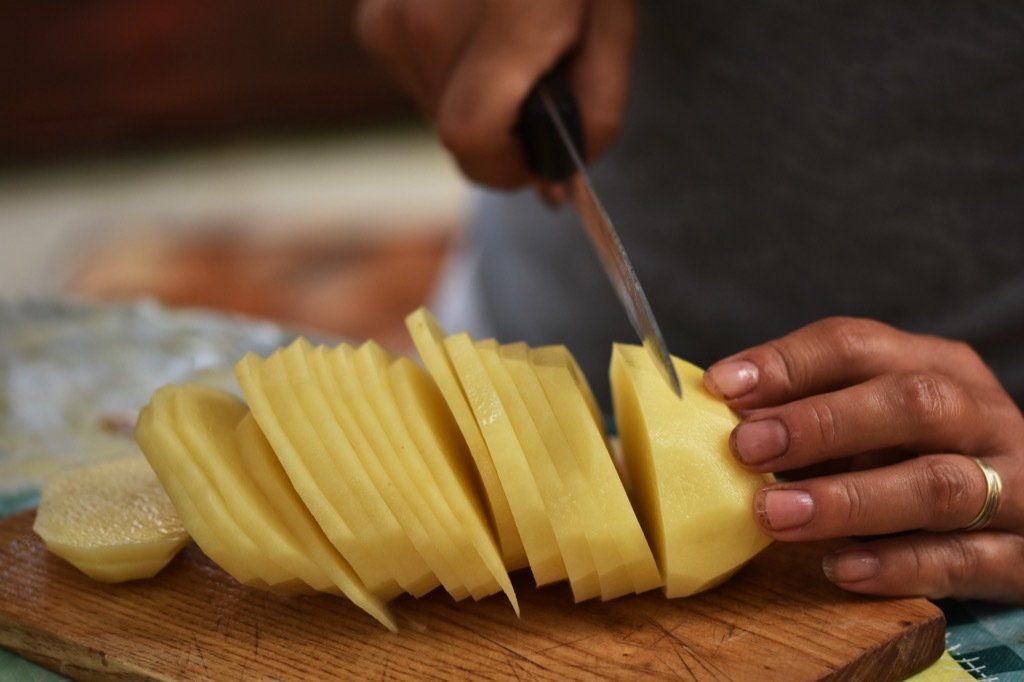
{"x": 779, "y": 619}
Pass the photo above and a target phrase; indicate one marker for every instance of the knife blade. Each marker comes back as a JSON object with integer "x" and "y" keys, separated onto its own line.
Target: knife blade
{"x": 554, "y": 151}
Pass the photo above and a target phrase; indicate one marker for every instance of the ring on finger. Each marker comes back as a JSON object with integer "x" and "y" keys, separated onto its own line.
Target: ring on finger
{"x": 993, "y": 497}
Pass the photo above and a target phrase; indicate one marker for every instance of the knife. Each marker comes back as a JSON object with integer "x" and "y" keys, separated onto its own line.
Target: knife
{"x": 549, "y": 124}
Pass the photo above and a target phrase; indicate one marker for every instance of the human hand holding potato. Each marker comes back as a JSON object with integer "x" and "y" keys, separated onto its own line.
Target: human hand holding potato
{"x": 903, "y": 416}
{"x": 469, "y": 65}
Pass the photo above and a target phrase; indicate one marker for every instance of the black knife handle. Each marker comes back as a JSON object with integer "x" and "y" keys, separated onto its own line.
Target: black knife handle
{"x": 545, "y": 153}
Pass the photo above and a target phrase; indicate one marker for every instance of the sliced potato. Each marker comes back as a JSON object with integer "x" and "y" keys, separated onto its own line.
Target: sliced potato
{"x": 557, "y": 477}
{"x": 267, "y": 385}
{"x": 693, "y": 498}
{"x": 112, "y": 520}
{"x": 572, "y": 405}
{"x": 261, "y": 465}
{"x": 343, "y": 419}
{"x": 209, "y": 418}
{"x": 453, "y": 478}
{"x": 389, "y": 453}
{"x": 521, "y": 488}
{"x": 428, "y": 338}
{"x": 202, "y": 509}
{"x": 206, "y": 420}
{"x": 612, "y": 576}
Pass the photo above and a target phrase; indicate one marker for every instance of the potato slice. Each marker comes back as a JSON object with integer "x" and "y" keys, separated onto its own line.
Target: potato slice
{"x": 512, "y": 464}
{"x": 403, "y": 417}
{"x": 206, "y": 428}
{"x": 452, "y": 477}
{"x": 340, "y": 416}
{"x": 202, "y": 508}
{"x": 556, "y": 475}
{"x": 571, "y": 403}
{"x": 390, "y": 454}
{"x": 348, "y": 520}
{"x": 694, "y": 500}
{"x": 429, "y": 340}
{"x": 208, "y": 419}
{"x": 262, "y": 466}
{"x": 612, "y": 575}
{"x": 112, "y": 520}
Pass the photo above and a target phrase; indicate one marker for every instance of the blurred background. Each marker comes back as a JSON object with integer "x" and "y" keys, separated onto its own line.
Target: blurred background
{"x": 244, "y": 155}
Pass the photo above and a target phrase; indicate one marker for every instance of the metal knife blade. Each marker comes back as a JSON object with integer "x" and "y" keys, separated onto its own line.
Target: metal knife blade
{"x": 610, "y": 250}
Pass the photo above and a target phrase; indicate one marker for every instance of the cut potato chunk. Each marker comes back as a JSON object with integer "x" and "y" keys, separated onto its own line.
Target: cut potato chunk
{"x": 512, "y": 464}
{"x": 693, "y": 498}
{"x": 261, "y": 464}
{"x": 428, "y": 338}
{"x": 112, "y": 520}
{"x": 450, "y": 476}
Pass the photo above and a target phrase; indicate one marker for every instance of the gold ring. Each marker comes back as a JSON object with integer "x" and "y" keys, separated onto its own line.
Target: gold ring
{"x": 993, "y": 497}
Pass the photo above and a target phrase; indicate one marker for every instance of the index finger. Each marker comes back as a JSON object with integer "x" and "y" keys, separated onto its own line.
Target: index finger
{"x": 835, "y": 353}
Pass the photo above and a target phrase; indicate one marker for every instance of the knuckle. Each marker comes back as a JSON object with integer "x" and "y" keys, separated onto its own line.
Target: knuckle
{"x": 947, "y": 490}
{"x": 843, "y": 339}
{"x": 963, "y": 562}
{"x": 461, "y": 136}
{"x": 850, "y": 338}
{"x": 926, "y": 397}
{"x": 782, "y": 367}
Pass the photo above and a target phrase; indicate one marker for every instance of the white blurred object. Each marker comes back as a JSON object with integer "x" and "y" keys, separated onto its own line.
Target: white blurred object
{"x": 73, "y": 377}
{"x": 355, "y": 181}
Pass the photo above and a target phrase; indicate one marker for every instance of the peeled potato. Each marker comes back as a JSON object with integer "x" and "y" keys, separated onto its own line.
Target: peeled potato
{"x": 285, "y": 395}
{"x": 429, "y": 339}
{"x": 452, "y": 475}
{"x": 511, "y": 461}
{"x": 692, "y": 497}
{"x": 624, "y": 559}
{"x": 113, "y": 520}
{"x": 351, "y": 471}
{"x": 260, "y": 462}
{"x": 557, "y": 477}
{"x": 179, "y": 440}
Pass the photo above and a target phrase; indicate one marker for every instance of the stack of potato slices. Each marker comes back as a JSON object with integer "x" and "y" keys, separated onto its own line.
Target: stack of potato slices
{"x": 355, "y": 472}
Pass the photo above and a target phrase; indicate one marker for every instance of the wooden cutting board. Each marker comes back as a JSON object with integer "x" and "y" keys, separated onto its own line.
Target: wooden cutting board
{"x": 778, "y": 619}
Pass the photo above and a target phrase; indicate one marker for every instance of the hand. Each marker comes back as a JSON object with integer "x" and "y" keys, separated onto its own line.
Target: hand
{"x": 903, "y": 414}
{"x": 469, "y": 65}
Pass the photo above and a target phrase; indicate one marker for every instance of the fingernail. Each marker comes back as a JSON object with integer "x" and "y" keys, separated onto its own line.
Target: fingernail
{"x": 759, "y": 441}
{"x": 785, "y": 509}
{"x": 731, "y": 379}
{"x": 851, "y": 566}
